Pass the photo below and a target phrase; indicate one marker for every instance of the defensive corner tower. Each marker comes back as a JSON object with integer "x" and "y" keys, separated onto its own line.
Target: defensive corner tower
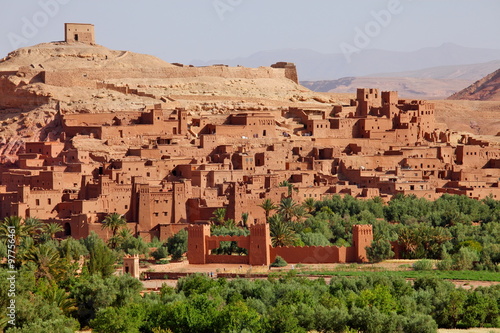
{"x": 79, "y": 32}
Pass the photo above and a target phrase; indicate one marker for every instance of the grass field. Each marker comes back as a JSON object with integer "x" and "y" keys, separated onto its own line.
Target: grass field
{"x": 470, "y": 330}
{"x": 407, "y": 274}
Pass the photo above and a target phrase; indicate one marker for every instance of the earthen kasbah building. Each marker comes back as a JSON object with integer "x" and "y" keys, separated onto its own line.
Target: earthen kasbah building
{"x": 177, "y": 166}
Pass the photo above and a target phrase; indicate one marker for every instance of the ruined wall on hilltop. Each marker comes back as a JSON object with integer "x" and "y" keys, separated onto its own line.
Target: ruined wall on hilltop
{"x": 14, "y": 98}
{"x": 89, "y": 77}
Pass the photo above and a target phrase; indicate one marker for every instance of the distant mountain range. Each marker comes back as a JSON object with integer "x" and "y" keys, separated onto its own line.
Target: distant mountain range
{"x": 312, "y": 65}
{"x": 428, "y": 83}
{"x": 459, "y": 72}
{"x": 415, "y": 88}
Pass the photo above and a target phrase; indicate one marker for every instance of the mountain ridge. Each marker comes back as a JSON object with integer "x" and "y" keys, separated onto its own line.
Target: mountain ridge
{"x": 485, "y": 89}
{"x": 313, "y": 65}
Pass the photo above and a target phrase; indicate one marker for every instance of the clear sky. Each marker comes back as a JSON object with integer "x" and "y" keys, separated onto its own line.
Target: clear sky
{"x": 183, "y": 30}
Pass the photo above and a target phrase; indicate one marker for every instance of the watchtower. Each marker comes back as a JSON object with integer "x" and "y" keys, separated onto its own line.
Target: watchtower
{"x": 197, "y": 243}
{"x": 362, "y": 236}
{"x": 79, "y": 32}
{"x": 260, "y": 242}
{"x": 131, "y": 265}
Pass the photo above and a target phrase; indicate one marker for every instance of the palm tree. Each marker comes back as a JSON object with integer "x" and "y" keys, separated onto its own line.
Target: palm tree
{"x": 268, "y": 206}
{"x": 290, "y": 186}
{"x": 52, "y": 229}
{"x": 300, "y": 213}
{"x": 13, "y": 228}
{"x": 287, "y": 208}
{"x": 230, "y": 224}
{"x": 33, "y": 226}
{"x": 61, "y": 299}
{"x": 219, "y": 216}
{"x": 281, "y": 232}
{"x": 47, "y": 261}
{"x": 120, "y": 237}
{"x": 244, "y": 219}
{"x": 114, "y": 222}
{"x": 309, "y": 204}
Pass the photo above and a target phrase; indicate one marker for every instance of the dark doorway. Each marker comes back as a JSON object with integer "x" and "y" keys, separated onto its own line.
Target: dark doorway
{"x": 76, "y": 37}
{"x": 67, "y": 229}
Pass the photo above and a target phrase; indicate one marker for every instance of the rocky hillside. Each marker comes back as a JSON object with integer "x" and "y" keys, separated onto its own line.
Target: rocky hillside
{"x": 29, "y": 104}
{"x": 486, "y": 89}
{"x": 60, "y": 55}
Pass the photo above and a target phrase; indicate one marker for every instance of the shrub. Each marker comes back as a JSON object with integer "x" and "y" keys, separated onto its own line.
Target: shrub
{"x": 446, "y": 264}
{"x": 160, "y": 253}
{"x": 279, "y": 262}
{"x": 379, "y": 250}
{"x": 465, "y": 258}
{"x": 423, "y": 265}
{"x": 177, "y": 244}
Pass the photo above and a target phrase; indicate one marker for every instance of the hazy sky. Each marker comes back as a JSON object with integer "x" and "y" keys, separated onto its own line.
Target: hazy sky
{"x": 183, "y": 30}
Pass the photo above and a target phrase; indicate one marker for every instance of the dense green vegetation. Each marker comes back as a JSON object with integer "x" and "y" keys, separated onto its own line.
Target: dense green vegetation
{"x": 442, "y": 229}
{"x": 64, "y": 285}
{"x": 383, "y": 303}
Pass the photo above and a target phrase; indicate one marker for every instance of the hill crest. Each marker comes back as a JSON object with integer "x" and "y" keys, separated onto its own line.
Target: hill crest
{"x": 485, "y": 89}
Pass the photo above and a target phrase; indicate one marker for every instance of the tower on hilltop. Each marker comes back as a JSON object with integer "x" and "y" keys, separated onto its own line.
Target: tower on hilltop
{"x": 79, "y": 32}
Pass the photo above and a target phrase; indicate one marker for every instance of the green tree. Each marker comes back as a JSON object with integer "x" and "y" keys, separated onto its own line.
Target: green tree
{"x": 160, "y": 253}
{"x": 281, "y": 232}
{"x": 464, "y": 259}
{"x": 71, "y": 249}
{"x": 238, "y": 317}
{"x": 219, "y": 216}
{"x": 52, "y": 229}
{"x": 34, "y": 226}
{"x": 13, "y": 225}
{"x": 47, "y": 261}
{"x": 177, "y": 244}
{"x": 309, "y": 204}
{"x": 289, "y": 186}
{"x": 244, "y": 219}
{"x": 379, "y": 250}
{"x": 127, "y": 319}
{"x": 95, "y": 293}
{"x": 113, "y": 222}
{"x": 101, "y": 258}
{"x": 287, "y": 208}
{"x": 61, "y": 299}
{"x": 268, "y": 206}
{"x": 134, "y": 245}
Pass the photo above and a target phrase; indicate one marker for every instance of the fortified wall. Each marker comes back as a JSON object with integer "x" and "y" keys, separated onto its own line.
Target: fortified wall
{"x": 261, "y": 252}
{"x": 89, "y": 78}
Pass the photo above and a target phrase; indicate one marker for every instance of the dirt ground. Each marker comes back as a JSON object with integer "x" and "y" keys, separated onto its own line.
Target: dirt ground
{"x": 185, "y": 267}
